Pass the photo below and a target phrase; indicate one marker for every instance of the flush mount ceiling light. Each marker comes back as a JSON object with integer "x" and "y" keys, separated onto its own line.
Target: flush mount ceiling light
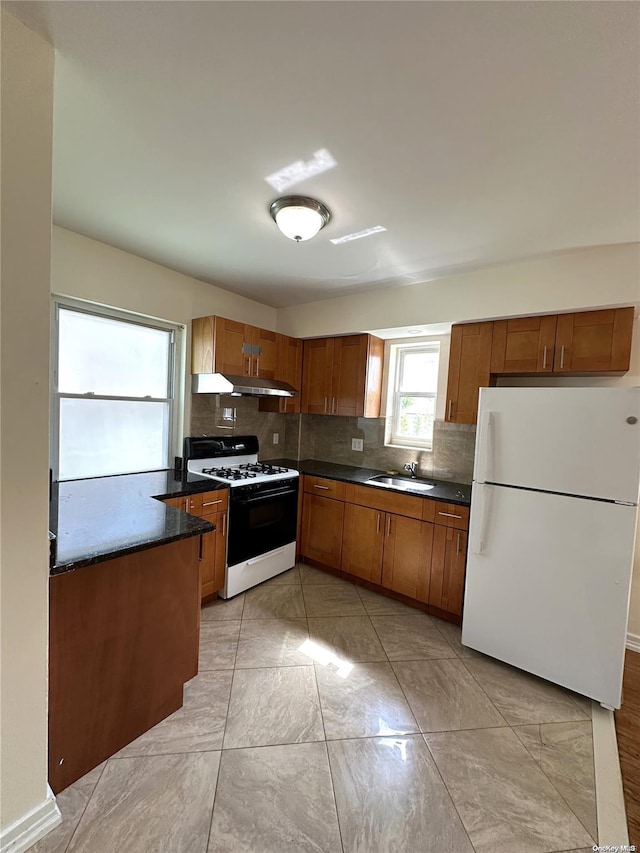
{"x": 299, "y": 217}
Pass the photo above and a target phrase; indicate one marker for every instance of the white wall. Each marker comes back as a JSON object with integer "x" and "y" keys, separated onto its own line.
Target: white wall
{"x": 87, "y": 269}
{"x": 27, "y": 121}
{"x": 584, "y": 278}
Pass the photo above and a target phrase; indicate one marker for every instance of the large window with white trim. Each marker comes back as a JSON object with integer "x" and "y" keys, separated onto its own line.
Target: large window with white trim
{"x": 113, "y": 390}
{"x": 413, "y": 389}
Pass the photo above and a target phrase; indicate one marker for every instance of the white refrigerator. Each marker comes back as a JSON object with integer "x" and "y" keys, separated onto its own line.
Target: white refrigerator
{"x": 552, "y": 530}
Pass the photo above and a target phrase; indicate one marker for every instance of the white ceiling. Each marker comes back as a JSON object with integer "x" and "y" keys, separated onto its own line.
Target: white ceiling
{"x": 475, "y": 132}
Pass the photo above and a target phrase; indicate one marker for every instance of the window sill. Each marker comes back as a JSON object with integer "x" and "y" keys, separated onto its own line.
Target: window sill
{"x": 422, "y": 448}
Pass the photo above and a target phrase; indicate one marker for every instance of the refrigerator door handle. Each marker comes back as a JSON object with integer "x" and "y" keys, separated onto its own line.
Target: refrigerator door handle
{"x": 480, "y": 531}
{"x": 486, "y": 446}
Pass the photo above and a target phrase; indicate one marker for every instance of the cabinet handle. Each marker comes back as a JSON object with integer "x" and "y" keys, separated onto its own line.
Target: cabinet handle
{"x": 333, "y": 405}
{"x": 561, "y": 356}
{"x": 450, "y": 514}
{"x": 257, "y": 366}
{"x": 326, "y": 488}
{"x": 378, "y": 524}
{"x": 224, "y": 525}
{"x": 457, "y": 544}
{"x": 388, "y": 525}
{"x": 544, "y": 359}
{"x": 211, "y": 503}
{"x": 325, "y": 405}
{"x": 200, "y": 550}
{"x": 449, "y": 410}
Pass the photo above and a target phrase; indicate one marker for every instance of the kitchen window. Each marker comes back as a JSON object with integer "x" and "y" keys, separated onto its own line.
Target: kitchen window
{"x": 413, "y": 388}
{"x": 113, "y": 387}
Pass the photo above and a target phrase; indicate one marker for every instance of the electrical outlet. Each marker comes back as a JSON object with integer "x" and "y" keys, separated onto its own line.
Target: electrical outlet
{"x": 357, "y": 444}
{"x": 276, "y": 437}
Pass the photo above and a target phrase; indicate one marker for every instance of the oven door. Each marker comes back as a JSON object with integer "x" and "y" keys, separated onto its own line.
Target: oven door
{"x": 261, "y": 520}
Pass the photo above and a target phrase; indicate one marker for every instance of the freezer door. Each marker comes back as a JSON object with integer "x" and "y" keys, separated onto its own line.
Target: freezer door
{"x": 547, "y": 587}
{"x": 577, "y": 441}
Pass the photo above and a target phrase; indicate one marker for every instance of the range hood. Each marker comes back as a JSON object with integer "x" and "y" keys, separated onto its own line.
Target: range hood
{"x": 240, "y": 386}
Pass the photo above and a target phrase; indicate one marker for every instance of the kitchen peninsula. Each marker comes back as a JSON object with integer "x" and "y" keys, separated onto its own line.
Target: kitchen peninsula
{"x": 124, "y": 612}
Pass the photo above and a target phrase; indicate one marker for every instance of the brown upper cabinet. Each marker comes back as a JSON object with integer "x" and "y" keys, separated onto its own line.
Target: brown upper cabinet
{"x": 587, "y": 342}
{"x": 219, "y": 345}
{"x": 469, "y": 370}
{"x": 594, "y": 341}
{"x": 343, "y": 376}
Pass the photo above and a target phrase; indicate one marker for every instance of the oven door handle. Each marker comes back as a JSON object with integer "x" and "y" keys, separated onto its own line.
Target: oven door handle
{"x": 260, "y": 498}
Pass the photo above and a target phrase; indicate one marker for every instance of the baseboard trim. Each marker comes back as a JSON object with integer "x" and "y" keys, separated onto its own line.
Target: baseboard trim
{"x": 31, "y": 827}
{"x": 611, "y": 812}
{"x": 633, "y": 642}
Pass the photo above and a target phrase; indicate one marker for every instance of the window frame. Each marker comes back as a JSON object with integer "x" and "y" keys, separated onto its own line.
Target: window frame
{"x": 174, "y": 367}
{"x": 397, "y": 352}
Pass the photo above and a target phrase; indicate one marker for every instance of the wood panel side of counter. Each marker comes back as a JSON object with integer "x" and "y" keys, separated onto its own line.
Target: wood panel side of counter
{"x": 123, "y": 640}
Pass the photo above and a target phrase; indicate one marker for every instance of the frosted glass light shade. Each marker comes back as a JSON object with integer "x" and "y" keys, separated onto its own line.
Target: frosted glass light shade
{"x": 298, "y": 217}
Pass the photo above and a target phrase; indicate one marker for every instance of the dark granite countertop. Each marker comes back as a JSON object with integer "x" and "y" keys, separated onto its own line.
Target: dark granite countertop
{"x": 105, "y": 517}
{"x": 445, "y": 490}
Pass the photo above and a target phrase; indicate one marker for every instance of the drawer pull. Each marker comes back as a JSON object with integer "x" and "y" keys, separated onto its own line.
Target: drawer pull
{"x": 210, "y": 503}
{"x": 326, "y": 488}
{"x": 450, "y": 514}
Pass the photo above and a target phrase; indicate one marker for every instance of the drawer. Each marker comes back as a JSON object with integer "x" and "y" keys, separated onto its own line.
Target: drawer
{"x": 387, "y": 501}
{"x": 208, "y": 503}
{"x": 448, "y": 515}
{"x": 326, "y": 488}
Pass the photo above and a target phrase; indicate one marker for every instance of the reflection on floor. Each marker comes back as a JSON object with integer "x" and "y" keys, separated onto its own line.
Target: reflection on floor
{"x": 328, "y": 718}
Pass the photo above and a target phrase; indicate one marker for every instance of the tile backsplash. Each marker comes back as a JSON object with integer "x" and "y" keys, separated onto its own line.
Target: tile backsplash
{"x": 329, "y": 438}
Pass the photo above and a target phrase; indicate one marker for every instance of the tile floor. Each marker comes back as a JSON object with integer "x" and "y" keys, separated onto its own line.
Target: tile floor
{"x": 326, "y": 718}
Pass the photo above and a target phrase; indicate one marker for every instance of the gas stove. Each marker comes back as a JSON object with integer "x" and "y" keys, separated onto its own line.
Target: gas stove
{"x": 232, "y": 460}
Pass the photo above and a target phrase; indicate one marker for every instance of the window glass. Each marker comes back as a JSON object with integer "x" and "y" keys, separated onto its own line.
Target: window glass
{"x": 412, "y": 394}
{"x": 110, "y": 357}
{"x": 101, "y": 359}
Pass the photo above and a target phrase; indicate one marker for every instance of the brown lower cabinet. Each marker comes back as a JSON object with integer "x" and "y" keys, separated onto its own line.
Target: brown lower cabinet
{"x": 423, "y": 560}
{"x": 322, "y": 521}
{"x": 213, "y": 507}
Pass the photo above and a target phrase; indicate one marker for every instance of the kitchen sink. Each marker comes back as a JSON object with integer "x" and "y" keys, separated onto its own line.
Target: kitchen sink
{"x": 406, "y": 484}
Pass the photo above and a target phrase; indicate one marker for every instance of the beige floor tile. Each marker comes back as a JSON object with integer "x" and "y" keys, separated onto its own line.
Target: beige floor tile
{"x": 275, "y": 799}
{"x": 391, "y": 798}
{"x": 522, "y": 698}
{"x": 311, "y": 575}
{"x": 272, "y": 642}
{"x": 346, "y": 638}
{"x": 452, "y": 634}
{"x": 72, "y": 802}
{"x": 157, "y": 803}
{"x": 411, "y": 638}
{"x": 365, "y": 701}
{"x": 273, "y": 602}
{"x": 378, "y": 605}
{"x": 218, "y": 644}
{"x": 443, "y": 696}
{"x": 273, "y": 706}
{"x": 504, "y": 799}
{"x": 196, "y": 727}
{"x": 223, "y": 609}
{"x": 332, "y": 600}
{"x": 564, "y": 752}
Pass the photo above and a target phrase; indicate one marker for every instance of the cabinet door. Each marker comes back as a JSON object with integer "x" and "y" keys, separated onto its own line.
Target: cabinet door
{"x": 349, "y": 376}
{"x": 406, "y": 563}
{"x": 264, "y": 363}
{"x": 448, "y": 558}
{"x": 594, "y": 341}
{"x": 469, "y": 370}
{"x": 213, "y": 560}
{"x": 523, "y": 345}
{"x": 290, "y": 370}
{"x": 230, "y": 340}
{"x": 202, "y": 345}
{"x": 322, "y": 520}
{"x": 316, "y": 381}
{"x": 362, "y": 542}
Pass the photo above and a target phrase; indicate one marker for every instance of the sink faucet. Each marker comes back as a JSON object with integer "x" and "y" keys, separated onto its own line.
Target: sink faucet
{"x": 411, "y": 466}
